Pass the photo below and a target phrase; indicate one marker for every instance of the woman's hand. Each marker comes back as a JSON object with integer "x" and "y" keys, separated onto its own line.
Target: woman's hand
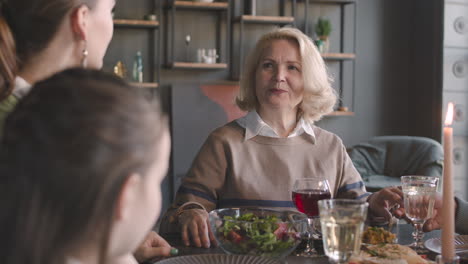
{"x": 435, "y": 222}
{"x": 195, "y": 227}
{"x": 153, "y": 246}
{"x": 386, "y": 203}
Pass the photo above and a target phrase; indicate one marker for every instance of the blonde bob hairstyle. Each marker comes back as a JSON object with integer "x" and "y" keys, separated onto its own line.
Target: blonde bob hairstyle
{"x": 319, "y": 96}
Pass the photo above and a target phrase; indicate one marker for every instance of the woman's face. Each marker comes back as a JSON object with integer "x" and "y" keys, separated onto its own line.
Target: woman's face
{"x": 278, "y": 79}
{"x": 143, "y": 204}
{"x": 101, "y": 28}
{"x": 149, "y": 204}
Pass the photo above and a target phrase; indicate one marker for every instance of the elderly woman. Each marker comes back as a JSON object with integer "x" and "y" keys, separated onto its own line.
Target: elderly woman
{"x": 253, "y": 161}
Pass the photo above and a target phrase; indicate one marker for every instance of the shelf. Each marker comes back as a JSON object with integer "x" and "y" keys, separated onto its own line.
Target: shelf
{"x": 134, "y": 23}
{"x": 341, "y": 113}
{"x": 338, "y": 56}
{"x": 280, "y": 20}
{"x": 144, "y": 85}
{"x": 331, "y": 2}
{"x": 201, "y": 6}
{"x": 195, "y": 65}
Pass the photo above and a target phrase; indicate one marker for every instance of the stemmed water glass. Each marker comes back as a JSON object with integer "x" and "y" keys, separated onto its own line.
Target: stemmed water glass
{"x": 419, "y": 198}
{"x": 306, "y": 192}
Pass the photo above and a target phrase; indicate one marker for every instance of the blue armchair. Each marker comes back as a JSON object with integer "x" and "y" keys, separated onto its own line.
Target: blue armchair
{"x": 381, "y": 161}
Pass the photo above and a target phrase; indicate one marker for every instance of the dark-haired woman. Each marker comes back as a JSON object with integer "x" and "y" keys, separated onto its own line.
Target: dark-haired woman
{"x": 39, "y": 38}
{"x": 83, "y": 186}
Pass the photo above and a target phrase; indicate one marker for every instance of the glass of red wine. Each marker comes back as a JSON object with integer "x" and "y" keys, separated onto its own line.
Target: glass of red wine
{"x": 306, "y": 192}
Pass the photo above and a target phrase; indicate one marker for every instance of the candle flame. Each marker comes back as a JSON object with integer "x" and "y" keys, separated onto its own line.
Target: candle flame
{"x": 449, "y": 115}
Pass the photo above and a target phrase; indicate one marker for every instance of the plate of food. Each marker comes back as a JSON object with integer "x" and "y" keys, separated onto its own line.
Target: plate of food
{"x": 388, "y": 254}
{"x": 258, "y": 232}
{"x": 378, "y": 235}
{"x": 461, "y": 245}
{"x": 218, "y": 258}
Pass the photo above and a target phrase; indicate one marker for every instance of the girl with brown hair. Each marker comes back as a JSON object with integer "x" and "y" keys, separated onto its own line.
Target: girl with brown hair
{"x": 83, "y": 156}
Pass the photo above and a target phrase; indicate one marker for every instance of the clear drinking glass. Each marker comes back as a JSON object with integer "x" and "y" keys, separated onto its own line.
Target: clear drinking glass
{"x": 306, "y": 192}
{"x": 419, "y": 197}
{"x": 342, "y": 222}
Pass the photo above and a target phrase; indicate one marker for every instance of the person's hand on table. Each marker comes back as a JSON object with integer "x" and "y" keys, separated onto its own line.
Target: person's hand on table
{"x": 195, "y": 228}
{"x": 153, "y": 246}
{"x": 386, "y": 203}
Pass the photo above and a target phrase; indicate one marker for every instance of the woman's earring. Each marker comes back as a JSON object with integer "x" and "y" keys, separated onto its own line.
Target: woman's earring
{"x": 84, "y": 56}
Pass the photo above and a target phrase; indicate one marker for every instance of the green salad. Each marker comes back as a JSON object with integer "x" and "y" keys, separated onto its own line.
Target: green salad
{"x": 261, "y": 236}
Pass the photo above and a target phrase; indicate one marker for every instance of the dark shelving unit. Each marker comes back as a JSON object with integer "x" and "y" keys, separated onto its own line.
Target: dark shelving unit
{"x": 220, "y": 9}
{"x": 153, "y": 27}
{"x": 340, "y": 56}
{"x": 244, "y": 19}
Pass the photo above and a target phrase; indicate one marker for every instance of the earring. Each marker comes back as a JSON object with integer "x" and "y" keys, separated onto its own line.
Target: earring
{"x": 84, "y": 56}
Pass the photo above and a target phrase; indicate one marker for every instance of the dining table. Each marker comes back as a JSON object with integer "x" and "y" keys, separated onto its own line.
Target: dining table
{"x": 403, "y": 232}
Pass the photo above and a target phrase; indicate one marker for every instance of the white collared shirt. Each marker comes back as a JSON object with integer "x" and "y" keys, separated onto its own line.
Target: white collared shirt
{"x": 22, "y": 87}
{"x": 255, "y": 126}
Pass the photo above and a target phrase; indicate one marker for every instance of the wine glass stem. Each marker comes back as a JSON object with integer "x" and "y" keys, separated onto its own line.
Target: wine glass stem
{"x": 418, "y": 234}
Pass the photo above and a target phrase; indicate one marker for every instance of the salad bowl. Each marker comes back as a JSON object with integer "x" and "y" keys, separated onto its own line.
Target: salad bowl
{"x": 258, "y": 232}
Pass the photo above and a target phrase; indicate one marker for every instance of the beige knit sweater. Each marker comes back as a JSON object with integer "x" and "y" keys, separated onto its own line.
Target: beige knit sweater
{"x": 232, "y": 172}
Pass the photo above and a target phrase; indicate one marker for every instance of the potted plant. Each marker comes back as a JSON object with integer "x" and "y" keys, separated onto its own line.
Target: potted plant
{"x": 323, "y": 29}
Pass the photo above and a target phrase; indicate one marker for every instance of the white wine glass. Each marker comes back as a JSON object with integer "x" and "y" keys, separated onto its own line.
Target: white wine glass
{"x": 419, "y": 198}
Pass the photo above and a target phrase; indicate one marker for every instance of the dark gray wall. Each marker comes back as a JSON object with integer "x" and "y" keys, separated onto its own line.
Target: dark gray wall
{"x": 382, "y": 70}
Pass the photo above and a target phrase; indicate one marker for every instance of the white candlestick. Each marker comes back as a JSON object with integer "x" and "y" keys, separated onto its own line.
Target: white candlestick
{"x": 448, "y": 210}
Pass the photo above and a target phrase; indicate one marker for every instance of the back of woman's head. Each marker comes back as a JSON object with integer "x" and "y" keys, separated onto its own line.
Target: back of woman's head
{"x": 68, "y": 147}
{"x": 26, "y": 28}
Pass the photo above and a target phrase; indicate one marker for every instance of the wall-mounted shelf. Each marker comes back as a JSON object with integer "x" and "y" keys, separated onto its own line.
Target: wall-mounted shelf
{"x": 200, "y": 5}
{"x": 221, "y": 11}
{"x": 248, "y": 17}
{"x": 133, "y": 34}
{"x": 342, "y": 54}
{"x": 338, "y": 56}
{"x": 144, "y": 85}
{"x": 341, "y": 113}
{"x": 332, "y": 2}
{"x": 135, "y": 23}
{"x": 195, "y": 65}
{"x": 277, "y": 20}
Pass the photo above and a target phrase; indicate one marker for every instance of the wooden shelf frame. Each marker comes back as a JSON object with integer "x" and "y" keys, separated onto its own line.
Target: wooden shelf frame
{"x": 147, "y": 85}
{"x": 199, "y": 66}
{"x": 200, "y": 5}
{"x": 223, "y": 12}
{"x": 242, "y": 20}
{"x": 331, "y": 2}
{"x": 276, "y": 20}
{"x": 341, "y": 113}
{"x": 136, "y": 23}
{"x": 338, "y": 56}
{"x": 152, "y": 29}
{"x": 342, "y": 55}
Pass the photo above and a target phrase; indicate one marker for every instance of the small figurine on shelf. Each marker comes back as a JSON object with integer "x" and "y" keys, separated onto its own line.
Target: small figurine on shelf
{"x": 319, "y": 44}
{"x": 138, "y": 68}
{"x": 323, "y": 29}
{"x": 188, "y": 38}
{"x": 120, "y": 70}
{"x": 151, "y": 17}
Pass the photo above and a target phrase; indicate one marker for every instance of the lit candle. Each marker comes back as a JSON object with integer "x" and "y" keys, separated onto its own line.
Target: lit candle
{"x": 448, "y": 210}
